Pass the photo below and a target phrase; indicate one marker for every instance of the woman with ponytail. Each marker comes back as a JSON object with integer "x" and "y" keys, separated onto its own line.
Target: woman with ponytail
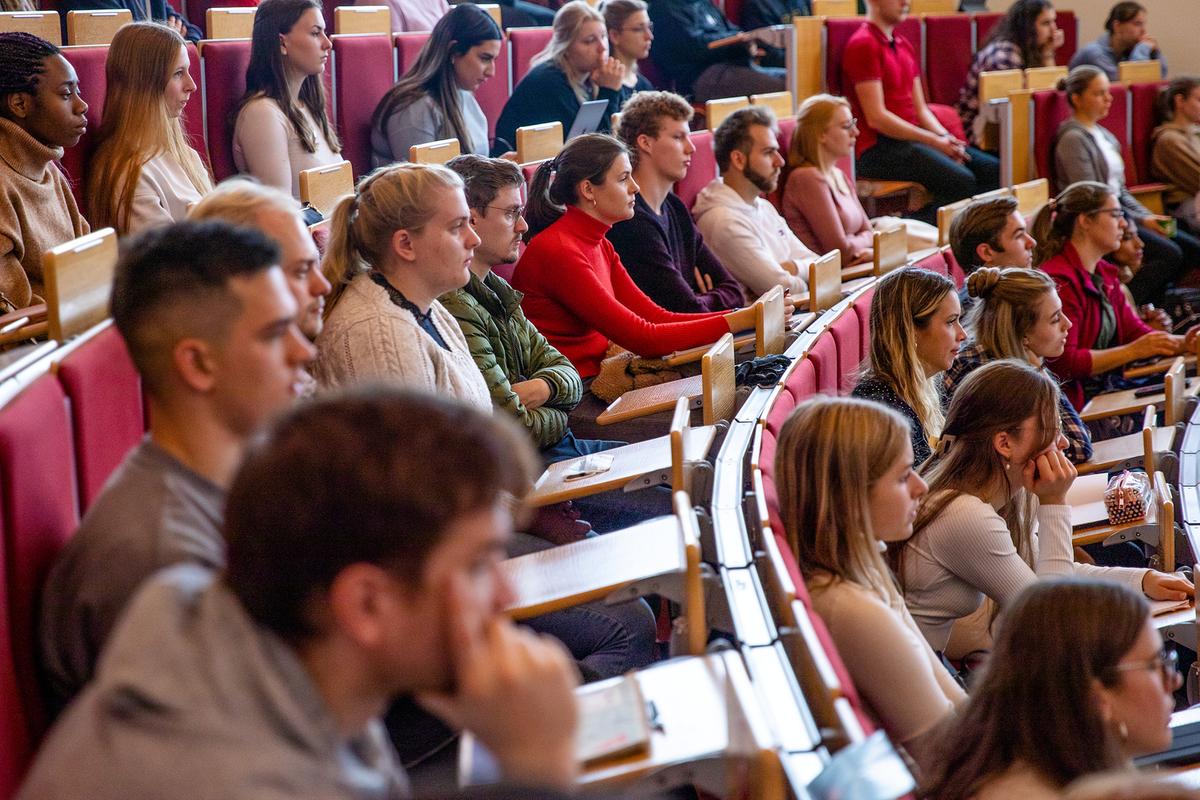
{"x": 996, "y": 517}
{"x": 1017, "y": 314}
{"x": 1074, "y": 231}
{"x": 145, "y": 171}
{"x": 577, "y": 292}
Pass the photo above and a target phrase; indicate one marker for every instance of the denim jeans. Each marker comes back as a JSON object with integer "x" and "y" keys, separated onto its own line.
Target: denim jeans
{"x": 947, "y": 180}
{"x": 570, "y": 447}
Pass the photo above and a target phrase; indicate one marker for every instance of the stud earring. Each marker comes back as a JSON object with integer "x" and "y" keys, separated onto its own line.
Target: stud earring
{"x": 1122, "y": 730}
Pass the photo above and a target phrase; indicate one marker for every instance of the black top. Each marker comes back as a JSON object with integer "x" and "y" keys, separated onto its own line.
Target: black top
{"x": 882, "y": 392}
{"x": 424, "y": 318}
{"x": 545, "y": 95}
{"x": 682, "y": 31}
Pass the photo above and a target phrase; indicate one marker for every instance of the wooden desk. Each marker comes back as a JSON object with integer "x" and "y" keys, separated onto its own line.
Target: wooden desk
{"x": 580, "y": 572}
{"x": 694, "y": 354}
{"x": 1160, "y": 366}
{"x": 653, "y": 399}
{"x": 1089, "y": 517}
{"x": 1111, "y": 452}
{"x": 648, "y": 463}
{"x": 1116, "y": 404}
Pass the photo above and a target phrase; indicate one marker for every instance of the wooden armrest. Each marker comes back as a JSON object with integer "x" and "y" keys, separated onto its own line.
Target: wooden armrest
{"x": 858, "y": 271}
{"x": 651, "y": 400}
{"x": 34, "y": 313}
{"x": 23, "y": 333}
{"x": 694, "y": 354}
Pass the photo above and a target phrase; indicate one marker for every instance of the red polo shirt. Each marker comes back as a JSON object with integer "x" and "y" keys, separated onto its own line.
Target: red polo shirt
{"x": 871, "y": 56}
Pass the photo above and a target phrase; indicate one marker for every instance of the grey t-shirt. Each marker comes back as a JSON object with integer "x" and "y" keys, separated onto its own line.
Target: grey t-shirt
{"x": 153, "y": 512}
{"x": 422, "y": 122}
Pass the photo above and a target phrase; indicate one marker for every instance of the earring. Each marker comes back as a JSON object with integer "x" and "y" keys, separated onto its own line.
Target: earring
{"x": 1007, "y": 465}
{"x": 593, "y": 202}
{"x": 1122, "y": 730}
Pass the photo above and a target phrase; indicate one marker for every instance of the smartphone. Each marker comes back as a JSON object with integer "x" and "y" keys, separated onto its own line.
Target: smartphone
{"x": 1146, "y": 391}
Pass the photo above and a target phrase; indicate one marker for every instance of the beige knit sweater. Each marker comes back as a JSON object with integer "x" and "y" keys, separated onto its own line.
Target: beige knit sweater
{"x": 367, "y": 336}
{"x": 37, "y": 211}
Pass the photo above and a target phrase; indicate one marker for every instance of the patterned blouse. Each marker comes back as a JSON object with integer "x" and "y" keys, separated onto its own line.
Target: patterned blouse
{"x": 998, "y": 55}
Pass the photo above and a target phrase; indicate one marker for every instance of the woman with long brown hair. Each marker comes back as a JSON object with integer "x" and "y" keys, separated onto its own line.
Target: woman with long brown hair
{"x": 145, "y": 171}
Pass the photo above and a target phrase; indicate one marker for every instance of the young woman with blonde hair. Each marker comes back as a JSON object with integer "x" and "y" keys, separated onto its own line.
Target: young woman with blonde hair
{"x": 1074, "y": 231}
{"x": 1078, "y": 683}
{"x": 819, "y": 203}
{"x": 144, "y": 171}
{"x": 281, "y": 127}
{"x": 1018, "y": 315}
{"x": 844, "y": 469}
{"x": 996, "y": 517}
{"x": 915, "y": 335}
{"x": 575, "y": 67}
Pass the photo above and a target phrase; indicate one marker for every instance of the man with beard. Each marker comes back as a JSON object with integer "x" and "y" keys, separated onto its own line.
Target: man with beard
{"x": 744, "y": 230}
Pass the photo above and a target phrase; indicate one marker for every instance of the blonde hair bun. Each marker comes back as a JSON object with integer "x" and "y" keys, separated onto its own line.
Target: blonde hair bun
{"x": 982, "y": 281}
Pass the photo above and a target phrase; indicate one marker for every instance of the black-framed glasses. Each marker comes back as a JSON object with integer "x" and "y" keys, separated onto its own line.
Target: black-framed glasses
{"x": 511, "y": 213}
{"x": 851, "y": 125}
{"x": 1166, "y": 663}
{"x": 642, "y": 29}
{"x": 1115, "y": 213}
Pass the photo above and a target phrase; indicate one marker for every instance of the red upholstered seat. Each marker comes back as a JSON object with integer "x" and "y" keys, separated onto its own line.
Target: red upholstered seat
{"x": 106, "y": 408}
{"x": 824, "y": 357}
{"x": 1142, "y": 99}
{"x": 362, "y": 74}
{"x": 945, "y": 70}
{"x": 787, "y": 129}
{"x": 494, "y": 93}
{"x": 984, "y": 22}
{"x": 847, "y": 336}
{"x": 837, "y": 33}
{"x": 224, "y": 63}
{"x": 702, "y": 170}
{"x": 526, "y": 43}
{"x": 16, "y": 750}
{"x": 862, "y": 310}
{"x": 408, "y": 45}
{"x": 38, "y": 508}
{"x": 1067, "y": 21}
{"x": 88, "y": 62}
{"x": 193, "y": 113}
{"x": 766, "y": 456}
{"x": 935, "y": 261}
{"x": 1050, "y": 108}
{"x": 781, "y": 409}
{"x": 802, "y": 381}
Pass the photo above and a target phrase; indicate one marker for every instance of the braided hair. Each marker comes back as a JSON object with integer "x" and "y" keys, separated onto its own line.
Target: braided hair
{"x": 22, "y": 61}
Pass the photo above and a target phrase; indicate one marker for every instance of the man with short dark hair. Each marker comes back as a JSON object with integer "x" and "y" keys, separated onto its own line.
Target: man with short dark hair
{"x": 660, "y": 247}
{"x": 744, "y": 230}
{"x": 1124, "y": 39}
{"x": 364, "y": 534}
{"x": 991, "y": 233}
{"x": 211, "y": 326}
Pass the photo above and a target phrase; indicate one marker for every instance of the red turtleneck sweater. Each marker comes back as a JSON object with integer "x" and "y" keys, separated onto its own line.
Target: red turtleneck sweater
{"x": 579, "y": 296}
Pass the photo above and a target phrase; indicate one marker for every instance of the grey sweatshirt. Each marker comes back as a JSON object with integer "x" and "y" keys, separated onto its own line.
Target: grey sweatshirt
{"x": 193, "y": 700}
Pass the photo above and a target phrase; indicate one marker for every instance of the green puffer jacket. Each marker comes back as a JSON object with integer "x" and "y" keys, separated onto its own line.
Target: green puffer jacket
{"x": 508, "y": 349}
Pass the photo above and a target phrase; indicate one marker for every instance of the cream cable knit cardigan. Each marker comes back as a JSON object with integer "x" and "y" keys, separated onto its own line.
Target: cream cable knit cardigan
{"x": 368, "y": 337}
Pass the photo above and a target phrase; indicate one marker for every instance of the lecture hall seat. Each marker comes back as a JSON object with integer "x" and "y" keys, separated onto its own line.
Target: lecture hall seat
{"x": 363, "y": 71}
{"x": 525, "y": 44}
{"x": 408, "y": 46}
{"x": 1142, "y": 100}
{"x": 16, "y": 749}
{"x": 702, "y": 170}
{"x": 197, "y": 11}
{"x": 88, "y": 62}
{"x": 946, "y": 70}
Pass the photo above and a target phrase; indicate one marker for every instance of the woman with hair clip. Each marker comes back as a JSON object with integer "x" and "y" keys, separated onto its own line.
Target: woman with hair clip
{"x": 281, "y": 127}
{"x": 1074, "y": 231}
{"x": 1078, "y": 683}
{"x": 1175, "y": 158}
{"x": 436, "y": 97}
{"x": 577, "y": 292}
{"x": 915, "y": 334}
{"x": 1084, "y": 150}
{"x": 844, "y": 469}
{"x": 996, "y": 517}
{"x": 819, "y": 204}
{"x": 1026, "y": 36}
{"x": 574, "y": 68}
{"x": 144, "y": 171}
{"x": 630, "y": 33}
{"x": 1017, "y": 315}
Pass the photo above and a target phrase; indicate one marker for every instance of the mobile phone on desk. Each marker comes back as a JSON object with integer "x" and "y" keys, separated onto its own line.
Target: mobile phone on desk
{"x": 1147, "y": 391}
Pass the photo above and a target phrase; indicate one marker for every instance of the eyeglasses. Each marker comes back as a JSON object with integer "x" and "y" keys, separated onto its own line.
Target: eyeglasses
{"x": 1115, "y": 213}
{"x": 511, "y": 214}
{"x": 1166, "y": 663}
{"x": 851, "y": 125}
{"x": 642, "y": 29}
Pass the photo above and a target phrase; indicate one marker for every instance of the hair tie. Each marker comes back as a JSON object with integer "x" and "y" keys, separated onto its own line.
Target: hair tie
{"x": 944, "y": 443}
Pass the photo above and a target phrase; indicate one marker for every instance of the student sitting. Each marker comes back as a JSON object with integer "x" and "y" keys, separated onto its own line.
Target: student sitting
{"x": 1026, "y": 37}
{"x": 989, "y": 233}
{"x": 281, "y": 127}
{"x": 684, "y": 29}
{"x": 364, "y": 535}
{"x": 1074, "y": 230}
{"x": 41, "y": 113}
{"x": 996, "y": 516}
{"x": 1175, "y": 159}
{"x": 819, "y": 203}
{"x": 1017, "y": 315}
{"x": 144, "y": 172}
{"x": 160, "y": 11}
{"x": 1077, "y": 683}
{"x": 1124, "y": 39}
{"x": 1086, "y": 151}
{"x": 915, "y": 335}
{"x": 744, "y": 230}
{"x": 575, "y": 67}
{"x": 210, "y": 326}
{"x": 901, "y": 138}
{"x": 1128, "y": 260}
{"x": 660, "y": 247}
{"x": 847, "y": 486}
{"x": 630, "y": 33}
{"x": 764, "y": 13}
{"x": 436, "y": 97}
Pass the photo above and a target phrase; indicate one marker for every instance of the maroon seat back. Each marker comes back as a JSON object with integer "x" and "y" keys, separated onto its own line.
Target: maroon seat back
{"x": 107, "y": 418}
{"x": 38, "y": 508}
{"x": 224, "y": 69}
{"x": 824, "y": 356}
{"x": 16, "y": 750}
{"x": 984, "y": 22}
{"x": 88, "y": 62}
{"x": 526, "y": 43}
{"x": 701, "y": 172}
{"x": 1143, "y": 97}
{"x": 193, "y": 113}
{"x": 862, "y": 312}
{"x": 801, "y": 382}
{"x": 1050, "y": 109}
{"x": 946, "y": 69}
{"x": 837, "y": 33}
{"x": 848, "y": 337}
{"x": 494, "y": 93}
{"x": 408, "y": 46}
{"x": 1069, "y": 24}
{"x": 363, "y": 71}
